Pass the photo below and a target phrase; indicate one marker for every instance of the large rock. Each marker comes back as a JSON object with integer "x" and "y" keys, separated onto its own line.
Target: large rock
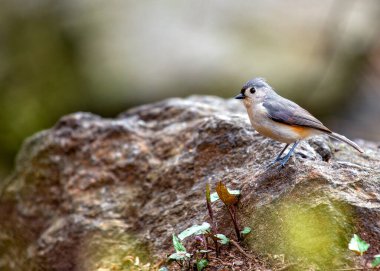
{"x": 92, "y": 192}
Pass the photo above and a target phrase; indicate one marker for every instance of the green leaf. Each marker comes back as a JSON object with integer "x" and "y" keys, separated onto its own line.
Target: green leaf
{"x": 179, "y": 256}
{"x": 246, "y": 230}
{"x": 178, "y": 245}
{"x": 358, "y": 245}
{"x": 214, "y": 196}
{"x": 202, "y": 263}
{"x": 224, "y": 240}
{"x": 376, "y": 261}
{"x": 194, "y": 230}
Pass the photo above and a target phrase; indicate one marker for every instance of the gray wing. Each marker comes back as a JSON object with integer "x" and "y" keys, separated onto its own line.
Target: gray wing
{"x": 285, "y": 111}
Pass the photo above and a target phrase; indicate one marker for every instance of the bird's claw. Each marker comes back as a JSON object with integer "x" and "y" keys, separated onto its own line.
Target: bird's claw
{"x": 278, "y": 160}
{"x": 271, "y": 164}
{"x": 282, "y": 165}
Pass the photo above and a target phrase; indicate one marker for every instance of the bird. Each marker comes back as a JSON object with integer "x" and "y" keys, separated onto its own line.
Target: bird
{"x": 280, "y": 119}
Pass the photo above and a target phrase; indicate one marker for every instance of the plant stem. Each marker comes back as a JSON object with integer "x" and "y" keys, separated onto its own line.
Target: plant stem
{"x": 206, "y": 244}
{"x": 210, "y": 212}
{"x": 178, "y": 263}
{"x": 213, "y": 226}
{"x": 189, "y": 267}
{"x": 217, "y": 248}
{"x": 237, "y": 231}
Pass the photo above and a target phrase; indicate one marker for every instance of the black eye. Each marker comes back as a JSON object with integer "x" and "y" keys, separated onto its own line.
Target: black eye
{"x": 252, "y": 90}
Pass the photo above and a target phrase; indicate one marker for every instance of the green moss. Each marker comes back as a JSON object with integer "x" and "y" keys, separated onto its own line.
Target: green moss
{"x": 314, "y": 230}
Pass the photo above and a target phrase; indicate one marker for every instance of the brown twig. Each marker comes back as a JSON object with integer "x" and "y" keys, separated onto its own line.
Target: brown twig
{"x": 241, "y": 249}
{"x": 204, "y": 238}
{"x": 224, "y": 263}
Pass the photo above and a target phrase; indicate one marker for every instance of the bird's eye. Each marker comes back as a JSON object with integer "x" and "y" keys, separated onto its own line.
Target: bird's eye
{"x": 252, "y": 90}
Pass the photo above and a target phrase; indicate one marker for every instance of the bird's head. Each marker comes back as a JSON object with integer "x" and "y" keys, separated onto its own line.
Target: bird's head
{"x": 254, "y": 89}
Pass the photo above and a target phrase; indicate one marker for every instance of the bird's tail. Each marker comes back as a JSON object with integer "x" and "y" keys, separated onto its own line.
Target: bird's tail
{"x": 345, "y": 140}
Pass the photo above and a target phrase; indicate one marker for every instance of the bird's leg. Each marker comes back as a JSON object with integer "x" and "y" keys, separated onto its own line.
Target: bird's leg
{"x": 278, "y": 158}
{"x": 286, "y": 158}
{"x": 279, "y": 155}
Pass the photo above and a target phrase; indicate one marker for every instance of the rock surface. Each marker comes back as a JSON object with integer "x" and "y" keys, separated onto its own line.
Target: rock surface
{"x": 92, "y": 190}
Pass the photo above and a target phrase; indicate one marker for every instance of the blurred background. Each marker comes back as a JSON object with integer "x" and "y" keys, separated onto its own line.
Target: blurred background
{"x": 58, "y": 57}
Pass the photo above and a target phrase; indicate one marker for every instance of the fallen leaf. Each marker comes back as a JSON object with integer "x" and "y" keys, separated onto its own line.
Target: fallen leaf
{"x": 224, "y": 195}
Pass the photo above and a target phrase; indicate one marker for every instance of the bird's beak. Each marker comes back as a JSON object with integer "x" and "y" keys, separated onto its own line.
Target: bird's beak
{"x": 240, "y": 96}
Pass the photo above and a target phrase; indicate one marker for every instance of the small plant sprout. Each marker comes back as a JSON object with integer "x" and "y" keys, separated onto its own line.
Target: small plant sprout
{"x": 376, "y": 261}
{"x": 201, "y": 264}
{"x": 198, "y": 257}
{"x": 181, "y": 256}
{"x": 230, "y": 202}
{"x": 358, "y": 245}
{"x": 224, "y": 240}
{"x": 245, "y": 231}
{"x": 195, "y": 259}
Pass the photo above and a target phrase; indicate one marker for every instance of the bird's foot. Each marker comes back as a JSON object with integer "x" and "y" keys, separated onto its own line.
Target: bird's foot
{"x": 283, "y": 161}
{"x": 271, "y": 164}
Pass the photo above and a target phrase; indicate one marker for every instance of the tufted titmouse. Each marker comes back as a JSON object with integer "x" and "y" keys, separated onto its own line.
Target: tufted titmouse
{"x": 281, "y": 119}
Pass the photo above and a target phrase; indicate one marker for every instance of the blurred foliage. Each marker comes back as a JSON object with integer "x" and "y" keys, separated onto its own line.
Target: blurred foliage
{"x": 58, "y": 57}
{"x": 39, "y": 82}
{"x": 40, "y": 75}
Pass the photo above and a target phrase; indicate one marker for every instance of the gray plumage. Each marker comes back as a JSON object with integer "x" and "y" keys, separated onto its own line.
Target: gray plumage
{"x": 287, "y": 112}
